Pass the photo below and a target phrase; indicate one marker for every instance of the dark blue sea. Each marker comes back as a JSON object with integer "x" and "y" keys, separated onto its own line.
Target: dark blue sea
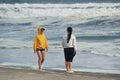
{"x": 59, "y": 1}
{"x": 95, "y": 23}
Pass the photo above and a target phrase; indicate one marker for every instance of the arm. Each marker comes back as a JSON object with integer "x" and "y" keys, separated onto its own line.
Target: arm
{"x": 46, "y": 44}
{"x": 62, "y": 42}
{"x": 35, "y": 44}
{"x": 74, "y": 44}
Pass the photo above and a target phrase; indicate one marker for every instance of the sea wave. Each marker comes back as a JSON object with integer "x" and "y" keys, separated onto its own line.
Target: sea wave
{"x": 17, "y": 65}
{"x": 16, "y": 24}
{"x": 101, "y": 22}
{"x": 109, "y": 53}
{"x": 106, "y": 54}
{"x": 110, "y": 50}
{"x": 14, "y": 47}
{"x": 114, "y": 37}
{"x": 86, "y": 10}
{"x": 28, "y": 46}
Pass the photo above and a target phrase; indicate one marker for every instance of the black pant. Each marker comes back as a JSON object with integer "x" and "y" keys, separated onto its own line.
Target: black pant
{"x": 69, "y": 54}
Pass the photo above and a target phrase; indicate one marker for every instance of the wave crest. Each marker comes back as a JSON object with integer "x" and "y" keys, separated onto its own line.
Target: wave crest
{"x": 86, "y": 10}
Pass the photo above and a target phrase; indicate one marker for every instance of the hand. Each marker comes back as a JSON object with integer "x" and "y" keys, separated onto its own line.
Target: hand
{"x": 74, "y": 51}
{"x": 46, "y": 50}
{"x": 35, "y": 52}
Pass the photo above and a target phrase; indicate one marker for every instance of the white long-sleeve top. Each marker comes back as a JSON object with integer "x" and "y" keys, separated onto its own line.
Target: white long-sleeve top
{"x": 72, "y": 42}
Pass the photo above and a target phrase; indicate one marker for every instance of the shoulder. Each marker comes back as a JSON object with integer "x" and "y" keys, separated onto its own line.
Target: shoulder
{"x": 73, "y": 36}
{"x": 64, "y": 36}
{"x": 36, "y": 35}
{"x": 44, "y": 35}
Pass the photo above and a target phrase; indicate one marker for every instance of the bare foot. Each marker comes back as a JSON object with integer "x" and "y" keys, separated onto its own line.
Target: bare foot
{"x": 67, "y": 71}
{"x": 70, "y": 72}
{"x": 40, "y": 69}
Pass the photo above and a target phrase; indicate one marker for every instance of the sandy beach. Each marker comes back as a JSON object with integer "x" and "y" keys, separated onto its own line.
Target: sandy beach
{"x": 23, "y": 74}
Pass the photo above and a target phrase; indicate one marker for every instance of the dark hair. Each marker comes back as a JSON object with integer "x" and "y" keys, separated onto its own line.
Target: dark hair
{"x": 69, "y": 30}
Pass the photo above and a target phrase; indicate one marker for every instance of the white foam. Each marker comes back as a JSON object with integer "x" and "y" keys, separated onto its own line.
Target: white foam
{"x": 14, "y": 44}
{"x": 106, "y": 53}
{"x": 91, "y": 70}
{"x": 86, "y": 10}
{"x": 18, "y": 65}
{"x": 117, "y": 40}
{"x": 98, "y": 71}
{"x": 99, "y": 48}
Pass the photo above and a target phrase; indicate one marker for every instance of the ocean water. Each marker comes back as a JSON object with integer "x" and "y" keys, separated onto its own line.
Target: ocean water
{"x": 95, "y": 25}
{"x": 57, "y": 1}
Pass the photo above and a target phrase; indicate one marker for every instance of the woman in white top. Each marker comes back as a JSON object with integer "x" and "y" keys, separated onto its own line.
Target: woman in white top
{"x": 69, "y": 45}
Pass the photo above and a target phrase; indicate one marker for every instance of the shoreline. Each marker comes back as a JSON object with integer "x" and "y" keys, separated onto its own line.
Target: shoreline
{"x": 82, "y": 62}
{"x": 97, "y": 71}
{"x": 24, "y": 74}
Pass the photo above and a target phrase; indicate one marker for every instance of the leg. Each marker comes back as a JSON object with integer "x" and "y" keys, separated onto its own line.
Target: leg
{"x": 71, "y": 59}
{"x": 43, "y": 56}
{"x": 66, "y": 55}
{"x": 67, "y": 66}
{"x": 39, "y": 59}
{"x": 70, "y": 67}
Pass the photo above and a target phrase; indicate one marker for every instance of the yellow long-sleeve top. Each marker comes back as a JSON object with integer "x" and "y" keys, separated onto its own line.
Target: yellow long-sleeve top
{"x": 40, "y": 41}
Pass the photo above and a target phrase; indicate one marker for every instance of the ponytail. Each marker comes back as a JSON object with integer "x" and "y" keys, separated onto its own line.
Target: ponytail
{"x": 69, "y": 29}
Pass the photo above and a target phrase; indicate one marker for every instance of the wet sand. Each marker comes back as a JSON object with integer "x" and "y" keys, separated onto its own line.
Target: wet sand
{"x": 23, "y": 74}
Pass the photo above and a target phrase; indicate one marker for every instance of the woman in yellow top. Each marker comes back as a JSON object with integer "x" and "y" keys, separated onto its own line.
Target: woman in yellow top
{"x": 40, "y": 46}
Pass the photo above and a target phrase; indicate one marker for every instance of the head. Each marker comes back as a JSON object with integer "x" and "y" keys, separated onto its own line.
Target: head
{"x": 40, "y": 30}
{"x": 69, "y": 31}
